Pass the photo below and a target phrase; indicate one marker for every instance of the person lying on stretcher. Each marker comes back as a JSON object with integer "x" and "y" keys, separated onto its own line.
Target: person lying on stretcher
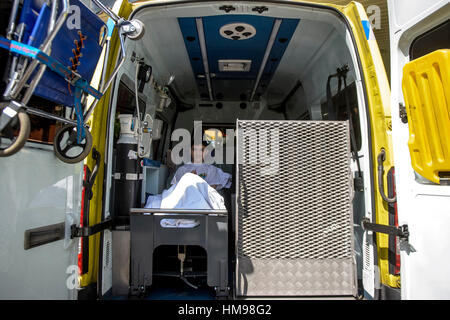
{"x": 194, "y": 186}
{"x": 214, "y": 176}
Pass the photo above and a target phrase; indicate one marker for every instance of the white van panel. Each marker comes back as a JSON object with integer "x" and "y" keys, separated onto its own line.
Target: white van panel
{"x": 429, "y": 258}
{"x": 407, "y": 11}
{"x": 37, "y": 190}
{"x": 423, "y": 207}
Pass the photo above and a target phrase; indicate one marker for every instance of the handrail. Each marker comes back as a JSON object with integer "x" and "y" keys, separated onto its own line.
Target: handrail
{"x": 381, "y": 158}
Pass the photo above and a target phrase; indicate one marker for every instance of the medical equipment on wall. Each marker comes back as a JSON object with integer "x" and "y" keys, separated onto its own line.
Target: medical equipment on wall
{"x": 128, "y": 171}
{"x": 41, "y": 36}
{"x": 144, "y": 127}
{"x": 157, "y": 127}
{"x": 165, "y": 100}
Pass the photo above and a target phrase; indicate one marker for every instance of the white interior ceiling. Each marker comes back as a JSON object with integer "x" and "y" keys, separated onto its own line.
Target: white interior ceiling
{"x": 316, "y": 50}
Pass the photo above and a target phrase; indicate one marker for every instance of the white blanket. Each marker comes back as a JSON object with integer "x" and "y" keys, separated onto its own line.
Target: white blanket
{"x": 191, "y": 192}
{"x": 211, "y": 174}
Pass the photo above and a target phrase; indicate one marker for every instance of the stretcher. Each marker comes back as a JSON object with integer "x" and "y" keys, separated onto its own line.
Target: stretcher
{"x": 54, "y": 48}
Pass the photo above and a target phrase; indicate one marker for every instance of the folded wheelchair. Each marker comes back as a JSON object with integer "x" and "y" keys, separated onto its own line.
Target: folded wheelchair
{"x": 54, "y": 47}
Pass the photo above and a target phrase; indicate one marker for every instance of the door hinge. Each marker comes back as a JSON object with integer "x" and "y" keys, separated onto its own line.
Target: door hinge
{"x": 402, "y": 113}
{"x": 401, "y": 232}
{"x": 78, "y": 232}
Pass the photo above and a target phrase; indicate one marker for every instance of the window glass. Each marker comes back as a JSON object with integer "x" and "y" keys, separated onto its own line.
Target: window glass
{"x": 435, "y": 39}
{"x": 342, "y": 112}
{"x": 126, "y": 101}
{"x": 213, "y": 136}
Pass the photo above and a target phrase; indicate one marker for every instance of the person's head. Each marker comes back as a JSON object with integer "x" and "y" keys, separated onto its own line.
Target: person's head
{"x": 197, "y": 152}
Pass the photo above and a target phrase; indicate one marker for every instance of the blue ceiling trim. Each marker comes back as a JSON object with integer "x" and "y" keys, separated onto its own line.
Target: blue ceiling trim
{"x": 221, "y": 48}
{"x": 190, "y": 36}
{"x": 252, "y": 49}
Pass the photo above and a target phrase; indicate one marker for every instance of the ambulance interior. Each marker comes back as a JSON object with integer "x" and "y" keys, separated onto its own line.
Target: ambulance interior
{"x": 216, "y": 63}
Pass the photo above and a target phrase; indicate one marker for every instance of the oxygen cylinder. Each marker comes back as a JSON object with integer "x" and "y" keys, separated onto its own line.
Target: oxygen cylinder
{"x": 128, "y": 173}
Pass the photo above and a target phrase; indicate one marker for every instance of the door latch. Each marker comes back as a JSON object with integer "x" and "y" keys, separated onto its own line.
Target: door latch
{"x": 78, "y": 232}
{"x": 401, "y": 232}
{"x": 402, "y": 113}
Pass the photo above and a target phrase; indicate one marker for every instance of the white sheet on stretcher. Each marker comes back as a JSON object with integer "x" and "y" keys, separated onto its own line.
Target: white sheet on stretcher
{"x": 191, "y": 192}
{"x": 211, "y": 174}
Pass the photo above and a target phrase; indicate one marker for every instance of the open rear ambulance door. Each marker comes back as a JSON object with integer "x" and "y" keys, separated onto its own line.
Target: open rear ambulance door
{"x": 421, "y": 138}
{"x": 43, "y": 199}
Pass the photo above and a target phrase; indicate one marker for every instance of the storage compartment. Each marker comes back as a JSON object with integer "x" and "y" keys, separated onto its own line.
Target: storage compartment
{"x": 154, "y": 181}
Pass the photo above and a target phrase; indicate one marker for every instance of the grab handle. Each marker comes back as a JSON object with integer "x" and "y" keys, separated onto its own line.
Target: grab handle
{"x": 381, "y": 159}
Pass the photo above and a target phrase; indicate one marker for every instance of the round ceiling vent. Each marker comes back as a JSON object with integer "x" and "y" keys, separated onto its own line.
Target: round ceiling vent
{"x": 237, "y": 31}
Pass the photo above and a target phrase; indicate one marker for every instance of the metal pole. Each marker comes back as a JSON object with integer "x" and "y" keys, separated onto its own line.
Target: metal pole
{"x": 47, "y": 115}
{"x": 12, "y": 20}
{"x": 273, "y": 35}
{"x": 201, "y": 38}
{"x": 44, "y": 48}
{"x": 110, "y": 80}
{"x": 108, "y": 11}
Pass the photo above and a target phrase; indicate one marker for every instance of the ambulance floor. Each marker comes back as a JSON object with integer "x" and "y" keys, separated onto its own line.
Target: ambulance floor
{"x": 174, "y": 289}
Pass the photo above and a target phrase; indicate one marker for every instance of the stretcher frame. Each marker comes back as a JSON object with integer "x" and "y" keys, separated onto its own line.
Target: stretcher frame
{"x": 41, "y": 60}
{"x": 147, "y": 234}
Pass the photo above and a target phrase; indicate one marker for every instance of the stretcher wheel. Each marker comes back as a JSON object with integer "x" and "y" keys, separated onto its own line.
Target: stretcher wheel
{"x": 66, "y": 147}
{"x": 21, "y": 123}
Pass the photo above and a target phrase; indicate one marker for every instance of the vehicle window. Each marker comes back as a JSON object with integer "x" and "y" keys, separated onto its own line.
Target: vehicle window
{"x": 342, "y": 113}
{"x": 435, "y": 39}
{"x": 126, "y": 101}
{"x": 213, "y": 136}
{"x": 158, "y": 145}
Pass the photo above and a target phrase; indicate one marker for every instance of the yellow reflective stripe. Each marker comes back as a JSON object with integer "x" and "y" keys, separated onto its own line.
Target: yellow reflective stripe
{"x": 378, "y": 96}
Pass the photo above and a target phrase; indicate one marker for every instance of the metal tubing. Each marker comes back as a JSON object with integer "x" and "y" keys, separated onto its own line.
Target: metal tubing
{"x": 273, "y": 35}
{"x": 53, "y": 14}
{"x": 61, "y": 19}
{"x": 47, "y": 115}
{"x": 110, "y": 80}
{"x": 17, "y": 62}
{"x": 27, "y": 96}
{"x": 107, "y": 10}
{"x": 44, "y": 48}
{"x": 201, "y": 38}
{"x": 12, "y": 20}
{"x": 105, "y": 61}
{"x": 51, "y": 27}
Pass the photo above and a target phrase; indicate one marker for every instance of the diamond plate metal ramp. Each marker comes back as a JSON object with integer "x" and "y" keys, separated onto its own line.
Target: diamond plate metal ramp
{"x": 294, "y": 209}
